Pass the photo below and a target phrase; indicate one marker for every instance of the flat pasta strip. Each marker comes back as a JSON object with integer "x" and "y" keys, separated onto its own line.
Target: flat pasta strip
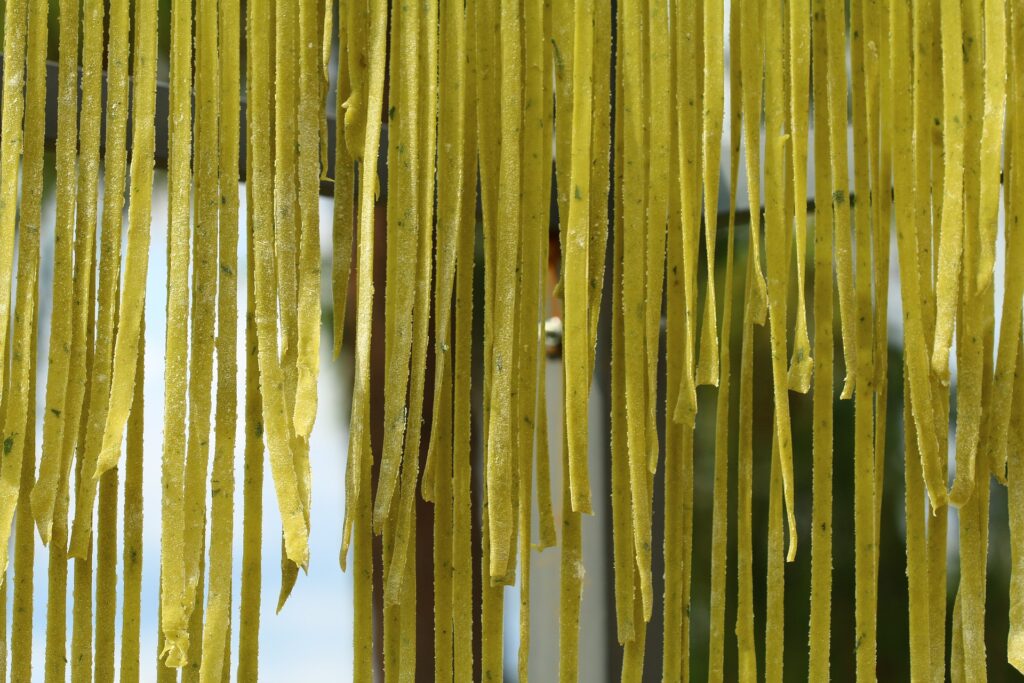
{"x": 222, "y": 483}
{"x": 24, "y": 350}
{"x": 575, "y": 260}
{"x": 308, "y": 359}
{"x": 44, "y": 493}
{"x": 276, "y": 420}
{"x": 462, "y": 512}
{"x": 753, "y": 63}
{"x": 344, "y": 183}
{"x": 822, "y": 438}
{"x": 988, "y": 209}
{"x": 23, "y": 344}
{"x": 951, "y": 241}
{"x": 866, "y": 460}
{"x": 633, "y": 300}
{"x": 801, "y": 363}
{"x": 136, "y": 260}
{"x": 714, "y": 110}
{"x": 110, "y": 266}
{"x": 775, "y": 588}
{"x": 252, "y": 484}
{"x": 778, "y": 263}
{"x": 907, "y": 239}
{"x": 404, "y": 224}
{"x": 11, "y": 141}
{"x": 205, "y": 275}
{"x": 499, "y": 430}
{"x": 835, "y": 22}
{"x": 175, "y": 609}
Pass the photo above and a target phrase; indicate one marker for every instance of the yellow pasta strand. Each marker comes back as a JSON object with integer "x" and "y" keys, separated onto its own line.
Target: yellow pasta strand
{"x": 775, "y": 581}
{"x": 205, "y": 272}
{"x": 462, "y": 513}
{"x": 110, "y": 264}
{"x": 288, "y": 228}
{"x": 687, "y": 82}
{"x": 359, "y": 51}
{"x": 951, "y": 242}
{"x": 988, "y": 210}
{"x": 252, "y": 484}
{"x": 907, "y": 239}
{"x": 821, "y": 481}
{"x": 744, "y": 478}
{"x": 404, "y": 220}
{"x": 575, "y": 255}
{"x": 633, "y": 298}
{"x": 499, "y": 436}
{"x": 753, "y": 64}
{"x": 23, "y": 344}
{"x": 308, "y": 361}
{"x": 136, "y": 260}
{"x": 658, "y": 50}
{"x": 778, "y": 264}
{"x": 276, "y": 421}
{"x": 44, "y": 493}
{"x": 834, "y": 28}
{"x": 359, "y": 456}
{"x": 714, "y": 110}
{"x": 174, "y": 602}
{"x": 571, "y": 574}
{"x": 344, "y": 181}
{"x": 11, "y": 140}
{"x": 719, "y": 524}
{"x": 132, "y": 554}
{"x": 969, "y": 318}
{"x": 865, "y": 459}
{"x": 621, "y": 503}
{"x": 222, "y": 483}
{"x": 801, "y": 363}
{"x": 22, "y": 401}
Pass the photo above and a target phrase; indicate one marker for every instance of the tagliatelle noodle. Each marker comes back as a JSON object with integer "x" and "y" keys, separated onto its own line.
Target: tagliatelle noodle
{"x": 45, "y": 491}
{"x": 174, "y": 609}
{"x": 216, "y": 629}
{"x": 822, "y": 438}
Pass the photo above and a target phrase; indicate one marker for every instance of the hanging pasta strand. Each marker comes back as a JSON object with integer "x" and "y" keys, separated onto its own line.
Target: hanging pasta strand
{"x": 12, "y": 136}
{"x": 45, "y": 491}
{"x": 866, "y": 460}
{"x": 252, "y": 484}
{"x": 821, "y": 451}
{"x": 308, "y": 342}
{"x": 20, "y": 417}
{"x": 358, "y": 475}
{"x": 222, "y": 482}
{"x": 288, "y": 227}
{"x": 276, "y": 419}
{"x": 576, "y": 258}
{"x": 633, "y": 298}
{"x": 107, "y": 287}
{"x": 778, "y": 264}
{"x": 988, "y": 209}
{"x": 711, "y": 136}
{"x": 344, "y": 177}
{"x": 17, "y": 407}
{"x": 720, "y": 509}
{"x": 174, "y": 607}
{"x": 801, "y": 363}
{"x": 404, "y": 220}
